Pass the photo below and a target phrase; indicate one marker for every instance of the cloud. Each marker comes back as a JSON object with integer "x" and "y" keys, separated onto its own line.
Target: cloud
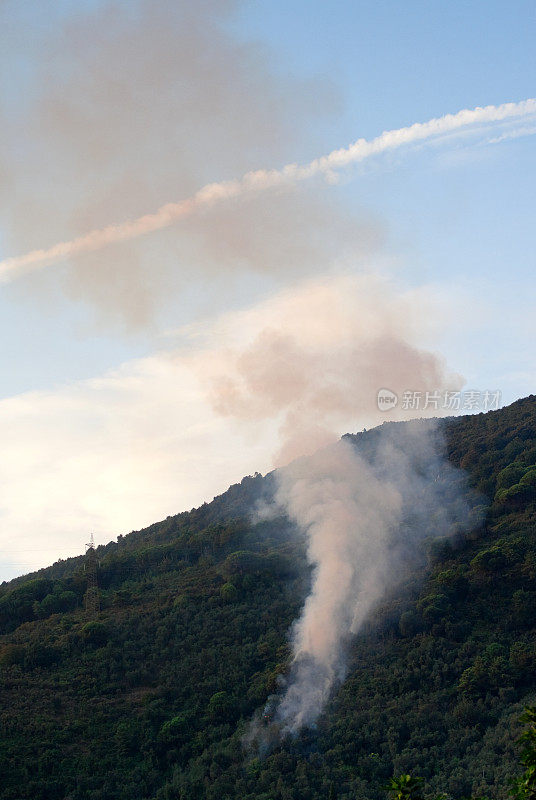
{"x": 111, "y": 109}
{"x": 267, "y": 180}
{"x": 110, "y": 455}
{"x": 126, "y": 128}
{"x": 515, "y": 133}
{"x": 143, "y": 441}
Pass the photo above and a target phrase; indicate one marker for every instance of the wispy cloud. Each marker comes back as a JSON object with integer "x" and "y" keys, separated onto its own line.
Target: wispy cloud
{"x": 516, "y": 133}
{"x": 148, "y": 439}
{"x": 112, "y": 108}
{"x": 263, "y": 180}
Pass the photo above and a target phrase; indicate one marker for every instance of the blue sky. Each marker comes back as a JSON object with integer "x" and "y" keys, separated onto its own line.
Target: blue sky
{"x": 454, "y": 219}
{"x": 467, "y": 216}
{"x": 395, "y": 62}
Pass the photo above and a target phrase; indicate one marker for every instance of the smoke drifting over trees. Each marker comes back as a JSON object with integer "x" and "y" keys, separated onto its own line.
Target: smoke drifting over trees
{"x": 366, "y": 517}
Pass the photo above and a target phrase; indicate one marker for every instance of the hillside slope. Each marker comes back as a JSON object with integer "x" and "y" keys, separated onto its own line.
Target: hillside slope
{"x": 152, "y": 699}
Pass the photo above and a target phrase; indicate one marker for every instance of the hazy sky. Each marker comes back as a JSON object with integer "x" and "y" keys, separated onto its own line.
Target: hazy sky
{"x": 131, "y": 386}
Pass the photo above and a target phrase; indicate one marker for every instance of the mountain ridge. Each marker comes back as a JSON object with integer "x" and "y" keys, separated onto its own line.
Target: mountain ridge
{"x": 246, "y": 492}
{"x": 151, "y": 700}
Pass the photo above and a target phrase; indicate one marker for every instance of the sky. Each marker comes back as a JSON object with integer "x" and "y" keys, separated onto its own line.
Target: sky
{"x": 142, "y": 377}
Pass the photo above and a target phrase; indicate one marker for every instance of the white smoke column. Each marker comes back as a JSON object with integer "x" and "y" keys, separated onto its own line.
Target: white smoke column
{"x": 365, "y": 518}
{"x": 263, "y": 180}
{"x": 313, "y": 358}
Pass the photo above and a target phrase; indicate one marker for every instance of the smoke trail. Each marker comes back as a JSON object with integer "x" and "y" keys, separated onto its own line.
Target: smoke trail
{"x": 126, "y": 105}
{"x": 366, "y": 516}
{"x": 317, "y": 355}
{"x": 263, "y": 180}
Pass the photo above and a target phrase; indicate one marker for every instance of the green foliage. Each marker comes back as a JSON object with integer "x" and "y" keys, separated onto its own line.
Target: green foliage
{"x": 94, "y": 633}
{"x": 525, "y": 786}
{"x": 408, "y": 787}
{"x": 510, "y": 475}
{"x": 12, "y": 654}
{"x": 175, "y": 730}
{"x": 228, "y": 592}
{"x": 516, "y": 485}
{"x": 523, "y": 607}
{"x": 17, "y": 605}
{"x": 408, "y": 623}
{"x": 489, "y": 561}
{"x": 433, "y": 607}
{"x": 153, "y": 699}
{"x": 219, "y": 706}
{"x": 55, "y": 603}
{"x": 490, "y": 670}
{"x": 405, "y": 787}
{"x": 127, "y": 737}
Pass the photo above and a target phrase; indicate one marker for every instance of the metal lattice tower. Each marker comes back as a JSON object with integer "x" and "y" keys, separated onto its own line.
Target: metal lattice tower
{"x": 91, "y": 599}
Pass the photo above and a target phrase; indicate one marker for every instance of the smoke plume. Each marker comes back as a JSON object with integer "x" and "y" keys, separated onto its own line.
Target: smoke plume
{"x": 112, "y": 108}
{"x": 263, "y": 180}
{"x": 316, "y": 358}
{"x": 366, "y": 513}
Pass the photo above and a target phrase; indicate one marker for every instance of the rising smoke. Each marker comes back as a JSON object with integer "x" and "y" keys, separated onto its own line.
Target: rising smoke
{"x": 367, "y": 514}
{"x": 264, "y": 180}
{"x": 157, "y": 101}
{"x": 317, "y": 355}
{"x": 146, "y": 122}
{"x": 113, "y": 110}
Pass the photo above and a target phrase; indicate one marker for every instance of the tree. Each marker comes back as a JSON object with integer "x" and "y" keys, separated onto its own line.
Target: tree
{"x": 219, "y": 706}
{"x": 525, "y": 786}
{"x": 94, "y": 633}
{"x": 405, "y": 787}
{"x": 228, "y": 592}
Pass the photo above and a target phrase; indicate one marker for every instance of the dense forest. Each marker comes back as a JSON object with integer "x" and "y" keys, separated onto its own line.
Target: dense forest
{"x": 151, "y": 698}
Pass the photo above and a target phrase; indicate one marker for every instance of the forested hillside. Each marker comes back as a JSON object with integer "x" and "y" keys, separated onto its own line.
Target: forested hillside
{"x": 151, "y": 699}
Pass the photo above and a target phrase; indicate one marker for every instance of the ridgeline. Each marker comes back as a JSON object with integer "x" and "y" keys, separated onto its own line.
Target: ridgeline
{"x": 150, "y": 698}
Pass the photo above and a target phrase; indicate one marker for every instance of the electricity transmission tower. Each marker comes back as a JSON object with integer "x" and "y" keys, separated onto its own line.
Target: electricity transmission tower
{"x": 91, "y": 599}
